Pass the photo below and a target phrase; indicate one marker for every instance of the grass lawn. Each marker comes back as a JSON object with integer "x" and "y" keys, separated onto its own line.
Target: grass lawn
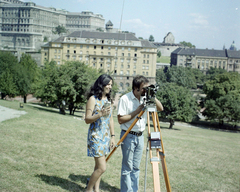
{"x": 45, "y": 151}
{"x": 163, "y": 59}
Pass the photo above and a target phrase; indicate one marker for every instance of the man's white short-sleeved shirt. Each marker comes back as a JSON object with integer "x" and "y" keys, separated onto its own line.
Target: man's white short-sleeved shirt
{"x": 127, "y": 104}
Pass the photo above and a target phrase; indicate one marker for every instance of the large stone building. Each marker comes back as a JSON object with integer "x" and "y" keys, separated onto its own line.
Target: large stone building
{"x": 25, "y": 25}
{"x": 204, "y": 59}
{"x": 168, "y": 45}
{"x": 120, "y": 53}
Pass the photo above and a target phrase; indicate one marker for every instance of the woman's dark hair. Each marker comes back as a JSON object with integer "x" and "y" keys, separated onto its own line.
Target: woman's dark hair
{"x": 97, "y": 88}
{"x": 138, "y": 80}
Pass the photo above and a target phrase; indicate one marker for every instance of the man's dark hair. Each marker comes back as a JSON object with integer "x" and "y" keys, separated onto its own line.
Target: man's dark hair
{"x": 138, "y": 80}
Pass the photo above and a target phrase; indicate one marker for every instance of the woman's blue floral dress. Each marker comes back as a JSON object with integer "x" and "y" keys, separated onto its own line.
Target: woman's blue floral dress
{"x": 98, "y": 143}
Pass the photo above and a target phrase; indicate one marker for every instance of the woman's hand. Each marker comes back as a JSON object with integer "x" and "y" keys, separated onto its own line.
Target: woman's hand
{"x": 106, "y": 111}
{"x": 112, "y": 143}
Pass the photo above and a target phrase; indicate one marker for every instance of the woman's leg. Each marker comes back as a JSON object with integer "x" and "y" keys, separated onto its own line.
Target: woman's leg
{"x": 100, "y": 168}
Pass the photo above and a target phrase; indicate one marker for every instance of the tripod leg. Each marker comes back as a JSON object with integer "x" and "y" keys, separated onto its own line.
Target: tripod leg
{"x": 145, "y": 180}
{"x": 125, "y": 135}
{"x": 154, "y": 160}
{"x": 164, "y": 165}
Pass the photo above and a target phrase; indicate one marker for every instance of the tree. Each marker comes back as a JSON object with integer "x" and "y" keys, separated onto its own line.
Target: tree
{"x": 212, "y": 72}
{"x": 66, "y": 85}
{"x": 182, "y": 76}
{"x": 100, "y": 29}
{"x": 159, "y": 54}
{"x": 161, "y": 76}
{"x": 27, "y": 75}
{"x": 7, "y": 84}
{"x": 8, "y": 64}
{"x": 60, "y": 29}
{"x": 187, "y": 44}
{"x": 151, "y": 38}
{"x": 198, "y": 74}
{"x": 222, "y": 98}
{"x": 178, "y": 102}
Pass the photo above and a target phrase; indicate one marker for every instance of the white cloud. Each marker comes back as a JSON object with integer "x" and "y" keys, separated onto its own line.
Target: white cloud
{"x": 198, "y": 21}
{"x": 137, "y": 25}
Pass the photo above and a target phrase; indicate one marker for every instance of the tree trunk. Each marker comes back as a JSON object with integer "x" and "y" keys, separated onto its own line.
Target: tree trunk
{"x": 70, "y": 107}
{"x": 25, "y": 98}
{"x": 62, "y": 110}
{"x": 3, "y": 95}
{"x": 171, "y": 123}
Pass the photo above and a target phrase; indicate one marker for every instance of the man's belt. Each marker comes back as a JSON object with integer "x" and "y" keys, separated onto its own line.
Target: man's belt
{"x": 134, "y": 133}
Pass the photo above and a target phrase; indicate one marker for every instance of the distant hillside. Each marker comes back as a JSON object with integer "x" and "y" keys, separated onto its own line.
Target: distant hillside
{"x": 163, "y": 59}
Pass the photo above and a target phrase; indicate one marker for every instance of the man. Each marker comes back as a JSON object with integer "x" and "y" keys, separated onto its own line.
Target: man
{"x": 130, "y": 105}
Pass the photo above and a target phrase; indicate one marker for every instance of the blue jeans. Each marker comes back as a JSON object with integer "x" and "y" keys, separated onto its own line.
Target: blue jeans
{"x": 132, "y": 149}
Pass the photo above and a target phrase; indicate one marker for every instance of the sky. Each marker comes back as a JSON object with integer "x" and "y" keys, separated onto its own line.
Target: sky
{"x": 204, "y": 23}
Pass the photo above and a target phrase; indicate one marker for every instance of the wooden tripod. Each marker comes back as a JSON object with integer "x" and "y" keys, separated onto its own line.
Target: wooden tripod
{"x": 159, "y": 152}
{"x": 159, "y": 149}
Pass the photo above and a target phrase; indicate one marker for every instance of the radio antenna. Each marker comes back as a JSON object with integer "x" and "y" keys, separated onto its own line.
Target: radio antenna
{"x": 121, "y": 15}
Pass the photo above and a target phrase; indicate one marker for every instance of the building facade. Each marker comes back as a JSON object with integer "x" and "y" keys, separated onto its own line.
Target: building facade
{"x": 122, "y": 54}
{"x": 204, "y": 59}
{"x": 25, "y": 25}
{"x": 168, "y": 45}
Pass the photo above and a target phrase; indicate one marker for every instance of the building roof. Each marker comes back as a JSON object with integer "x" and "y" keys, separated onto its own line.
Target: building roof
{"x": 109, "y": 23}
{"x": 210, "y": 53}
{"x": 233, "y": 54}
{"x": 103, "y": 35}
{"x": 146, "y": 43}
{"x": 200, "y": 52}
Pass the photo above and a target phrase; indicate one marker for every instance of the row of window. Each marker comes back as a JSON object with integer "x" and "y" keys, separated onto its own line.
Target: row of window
{"x": 211, "y": 62}
{"x": 95, "y": 47}
{"x": 102, "y": 41}
{"x": 18, "y": 21}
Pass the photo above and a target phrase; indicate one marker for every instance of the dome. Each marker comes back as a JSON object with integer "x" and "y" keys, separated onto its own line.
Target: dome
{"x": 233, "y": 47}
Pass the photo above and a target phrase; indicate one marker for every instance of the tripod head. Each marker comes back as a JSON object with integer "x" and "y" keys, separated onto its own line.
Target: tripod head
{"x": 150, "y": 93}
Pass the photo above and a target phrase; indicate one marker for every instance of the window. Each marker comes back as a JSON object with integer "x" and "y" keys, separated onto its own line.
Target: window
{"x": 95, "y": 47}
{"x": 101, "y": 47}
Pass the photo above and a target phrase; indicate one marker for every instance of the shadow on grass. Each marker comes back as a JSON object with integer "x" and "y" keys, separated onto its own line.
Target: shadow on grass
{"x": 166, "y": 127}
{"x": 103, "y": 185}
{"x": 56, "y": 110}
{"x": 63, "y": 183}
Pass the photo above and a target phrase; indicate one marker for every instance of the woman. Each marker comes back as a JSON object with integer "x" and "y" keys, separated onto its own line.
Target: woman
{"x": 101, "y": 129}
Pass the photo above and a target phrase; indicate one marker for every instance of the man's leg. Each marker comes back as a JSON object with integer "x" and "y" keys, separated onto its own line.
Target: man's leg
{"x": 139, "y": 144}
{"x": 127, "y": 153}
